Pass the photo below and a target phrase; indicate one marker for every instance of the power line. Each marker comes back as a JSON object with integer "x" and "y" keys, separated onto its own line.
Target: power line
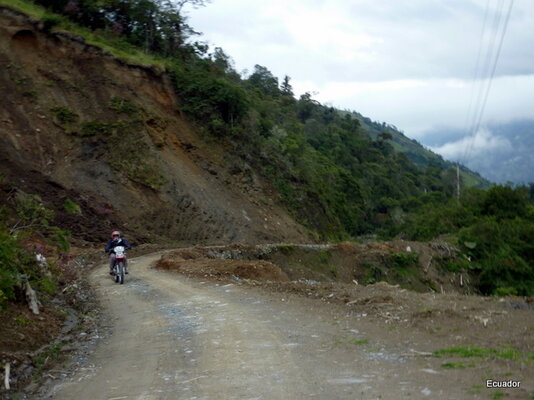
{"x": 503, "y": 33}
{"x": 484, "y": 75}
{"x": 489, "y": 70}
{"x": 477, "y": 64}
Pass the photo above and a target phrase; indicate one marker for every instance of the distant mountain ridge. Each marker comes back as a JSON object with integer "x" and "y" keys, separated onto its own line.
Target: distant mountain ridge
{"x": 417, "y": 152}
{"x": 501, "y": 152}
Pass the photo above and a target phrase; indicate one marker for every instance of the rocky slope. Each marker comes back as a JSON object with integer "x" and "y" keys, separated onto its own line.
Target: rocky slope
{"x": 78, "y": 124}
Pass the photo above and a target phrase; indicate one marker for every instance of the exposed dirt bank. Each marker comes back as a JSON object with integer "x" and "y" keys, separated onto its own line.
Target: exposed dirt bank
{"x": 80, "y": 125}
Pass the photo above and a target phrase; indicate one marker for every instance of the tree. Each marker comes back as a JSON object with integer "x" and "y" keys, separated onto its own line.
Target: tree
{"x": 306, "y": 106}
{"x": 180, "y": 4}
{"x": 285, "y": 87}
{"x": 506, "y": 202}
{"x": 385, "y": 136}
{"x": 265, "y": 81}
{"x": 222, "y": 62}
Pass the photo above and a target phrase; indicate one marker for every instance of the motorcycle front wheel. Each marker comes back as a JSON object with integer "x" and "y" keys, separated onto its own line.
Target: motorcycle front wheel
{"x": 120, "y": 273}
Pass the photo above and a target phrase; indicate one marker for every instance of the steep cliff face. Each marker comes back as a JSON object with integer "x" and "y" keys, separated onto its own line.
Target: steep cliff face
{"x": 76, "y": 123}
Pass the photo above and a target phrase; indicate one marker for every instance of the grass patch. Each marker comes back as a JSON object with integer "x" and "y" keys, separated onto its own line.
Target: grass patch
{"x": 507, "y": 352}
{"x": 120, "y": 105}
{"x": 51, "y": 354}
{"x": 497, "y": 395}
{"x": 373, "y": 274}
{"x": 47, "y": 285}
{"x": 323, "y": 256}
{"x": 71, "y": 207}
{"x": 457, "y": 365}
{"x": 95, "y": 128}
{"x": 359, "y": 342}
{"x": 22, "y": 321}
{"x": 356, "y": 342}
{"x": 64, "y": 115}
{"x": 286, "y": 248}
{"x": 26, "y": 7}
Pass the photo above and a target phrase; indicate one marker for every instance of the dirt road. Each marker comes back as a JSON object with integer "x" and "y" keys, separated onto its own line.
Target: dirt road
{"x": 179, "y": 339}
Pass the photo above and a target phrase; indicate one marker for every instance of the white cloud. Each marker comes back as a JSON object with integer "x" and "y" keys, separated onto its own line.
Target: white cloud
{"x": 417, "y": 105}
{"x": 480, "y": 144}
{"x": 364, "y": 40}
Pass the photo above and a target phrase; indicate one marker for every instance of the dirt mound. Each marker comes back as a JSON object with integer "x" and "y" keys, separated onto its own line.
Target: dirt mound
{"x": 412, "y": 265}
{"x": 196, "y": 266}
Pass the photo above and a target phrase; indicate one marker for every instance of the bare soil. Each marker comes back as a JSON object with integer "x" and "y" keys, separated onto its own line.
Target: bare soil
{"x": 203, "y": 193}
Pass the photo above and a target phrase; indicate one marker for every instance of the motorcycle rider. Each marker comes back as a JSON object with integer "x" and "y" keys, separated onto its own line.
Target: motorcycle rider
{"x": 116, "y": 240}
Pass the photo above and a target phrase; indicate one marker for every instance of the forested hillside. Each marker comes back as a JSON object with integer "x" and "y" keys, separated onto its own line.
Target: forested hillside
{"x": 336, "y": 172}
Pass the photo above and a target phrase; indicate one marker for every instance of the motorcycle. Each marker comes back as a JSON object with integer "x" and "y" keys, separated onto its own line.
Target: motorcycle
{"x": 119, "y": 266}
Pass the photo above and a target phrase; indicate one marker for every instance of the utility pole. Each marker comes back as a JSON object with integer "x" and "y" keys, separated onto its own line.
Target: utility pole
{"x": 458, "y": 181}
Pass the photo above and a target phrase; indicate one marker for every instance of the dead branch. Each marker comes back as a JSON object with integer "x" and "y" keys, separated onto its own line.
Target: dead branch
{"x": 31, "y": 298}
{"x": 7, "y": 370}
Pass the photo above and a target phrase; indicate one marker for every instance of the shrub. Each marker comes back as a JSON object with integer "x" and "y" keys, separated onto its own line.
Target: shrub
{"x": 64, "y": 115}
{"x": 49, "y": 21}
{"x": 16, "y": 264}
{"x": 31, "y": 213}
{"x": 95, "y": 128}
{"x": 71, "y": 207}
{"x": 503, "y": 252}
{"x": 121, "y": 105}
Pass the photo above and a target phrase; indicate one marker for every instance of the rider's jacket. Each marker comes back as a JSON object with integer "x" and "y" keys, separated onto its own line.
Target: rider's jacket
{"x": 119, "y": 242}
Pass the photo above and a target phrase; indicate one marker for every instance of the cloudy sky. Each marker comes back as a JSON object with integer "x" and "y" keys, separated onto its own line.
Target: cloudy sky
{"x": 410, "y": 63}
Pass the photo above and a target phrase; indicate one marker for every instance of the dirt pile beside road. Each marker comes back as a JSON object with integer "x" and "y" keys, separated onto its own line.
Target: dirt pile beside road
{"x": 412, "y": 265}
{"x": 201, "y": 267}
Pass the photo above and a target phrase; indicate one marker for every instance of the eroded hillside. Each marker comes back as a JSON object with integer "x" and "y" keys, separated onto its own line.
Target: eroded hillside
{"x": 78, "y": 124}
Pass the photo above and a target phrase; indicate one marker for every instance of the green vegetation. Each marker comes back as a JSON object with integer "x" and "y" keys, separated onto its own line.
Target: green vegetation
{"x": 121, "y": 105}
{"x": 457, "y": 365}
{"x": 95, "y": 128}
{"x": 64, "y": 115}
{"x": 71, "y": 207}
{"x": 373, "y": 274}
{"x": 359, "y": 342}
{"x": 323, "y": 256}
{"x": 21, "y": 220}
{"x": 507, "y": 352}
{"x": 22, "y": 320}
{"x": 403, "y": 261}
{"x": 286, "y": 248}
{"x": 50, "y": 354}
{"x": 353, "y": 341}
